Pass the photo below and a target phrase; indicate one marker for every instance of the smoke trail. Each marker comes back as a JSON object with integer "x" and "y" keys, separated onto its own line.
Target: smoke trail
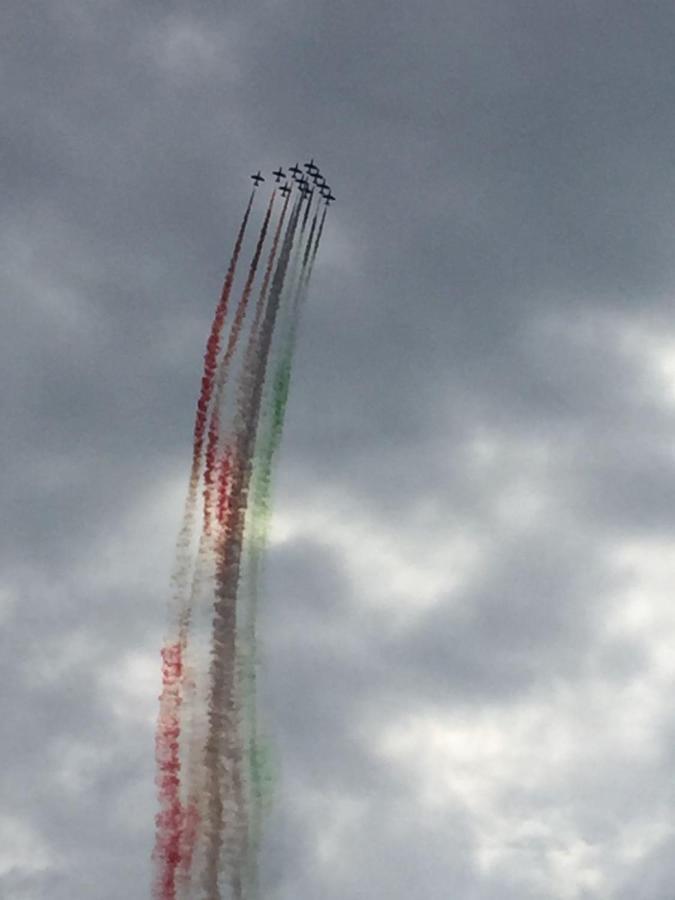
{"x": 223, "y": 369}
{"x": 182, "y": 565}
{"x": 318, "y": 238}
{"x": 270, "y": 438}
{"x": 304, "y": 218}
{"x": 252, "y": 379}
{"x": 197, "y": 726}
{"x": 294, "y": 276}
{"x": 267, "y": 445}
{"x": 308, "y": 245}
{"x": 222, "y": 755}
{"x": 262, "y": 297}
{"x": 208, "y": 743}
{"x": 271, "y": 431}
{"x": 224, "y": 488}
{"x": 169, "y": 820}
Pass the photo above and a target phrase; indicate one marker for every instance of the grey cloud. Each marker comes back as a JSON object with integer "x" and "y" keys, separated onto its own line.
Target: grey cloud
{"x": 498, "y": 166}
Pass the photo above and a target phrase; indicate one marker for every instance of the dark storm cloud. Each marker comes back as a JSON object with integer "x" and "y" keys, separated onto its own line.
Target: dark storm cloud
{"x": 505, "y": 192}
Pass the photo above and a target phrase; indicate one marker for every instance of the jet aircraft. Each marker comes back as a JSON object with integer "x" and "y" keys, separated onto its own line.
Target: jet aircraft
{"x": 257, "y": 178}
{"x": 311, "y": 167}
{"x": 296, "y": 170}
{"x": 278, "y": 175}
{"x": 285, "y": 189}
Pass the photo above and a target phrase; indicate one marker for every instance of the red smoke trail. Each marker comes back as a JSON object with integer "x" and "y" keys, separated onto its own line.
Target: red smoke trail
{"x": 223, "y": 369}
{"x": 221, "y": 479}
{"x": 210, "y": 826}
{"x": 224, "y": 481}
{"x": 209, "y": 466}
{"x": 222, "y": 751}
{"x": 213, "y": 348}
{"x": 210, "y": 362}
{"x": 169, "y": 820}
{"x": 167, "y": 742}
{"x": 191, "y": 816}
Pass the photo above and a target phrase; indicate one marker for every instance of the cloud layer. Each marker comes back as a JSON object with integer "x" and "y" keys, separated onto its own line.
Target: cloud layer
{"x": 468, "y": 621}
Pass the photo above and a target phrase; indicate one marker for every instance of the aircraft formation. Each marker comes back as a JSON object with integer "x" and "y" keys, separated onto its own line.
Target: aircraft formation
{"x": 214, "y": 761}
{"x": 302, "y": 179}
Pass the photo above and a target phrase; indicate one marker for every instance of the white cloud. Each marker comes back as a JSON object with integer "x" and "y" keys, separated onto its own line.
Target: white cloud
{"x": 22, "y": 849}
{"x": 403, "y": 567}
{"x": 131, "y": 687}
{"x": 521, "y": 773}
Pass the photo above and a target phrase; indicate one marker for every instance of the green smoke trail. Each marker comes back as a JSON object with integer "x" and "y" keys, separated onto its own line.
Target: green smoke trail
{"x": 260, "y": 763}
{"x": 222, "y": 757}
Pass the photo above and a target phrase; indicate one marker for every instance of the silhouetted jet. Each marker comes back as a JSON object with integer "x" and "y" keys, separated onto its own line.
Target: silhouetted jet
{"x": 278, "y": 175}
{"x": 319, "y": 180}
{"x": 324, "y": 189}
{"x": 257, "y": 178}
{"x": 284, "y": 189}
{"x": 296, "y": 170}
{"x": 311, "y": 167}
{"x": 328, "y": 198}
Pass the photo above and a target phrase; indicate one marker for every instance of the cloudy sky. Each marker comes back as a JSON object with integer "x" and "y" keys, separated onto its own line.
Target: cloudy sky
{"x": 469, "y": 623}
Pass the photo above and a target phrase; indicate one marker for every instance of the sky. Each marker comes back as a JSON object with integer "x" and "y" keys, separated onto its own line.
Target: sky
{"x": 467, "y": 624}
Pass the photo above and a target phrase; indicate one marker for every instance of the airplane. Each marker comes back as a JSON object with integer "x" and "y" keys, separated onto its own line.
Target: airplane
{"x": 319, "y": 180}
{"x": 324, "y": 189}
{"x": 257, "y": 178}
{"x": 328, "y": 198}
{"x": 284, "y": 189}
{"x": 305, "y": 189}
{"x": 296, "y": 170}
{"x": 311, "y": 167}
{"x": 278, "y": 175}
